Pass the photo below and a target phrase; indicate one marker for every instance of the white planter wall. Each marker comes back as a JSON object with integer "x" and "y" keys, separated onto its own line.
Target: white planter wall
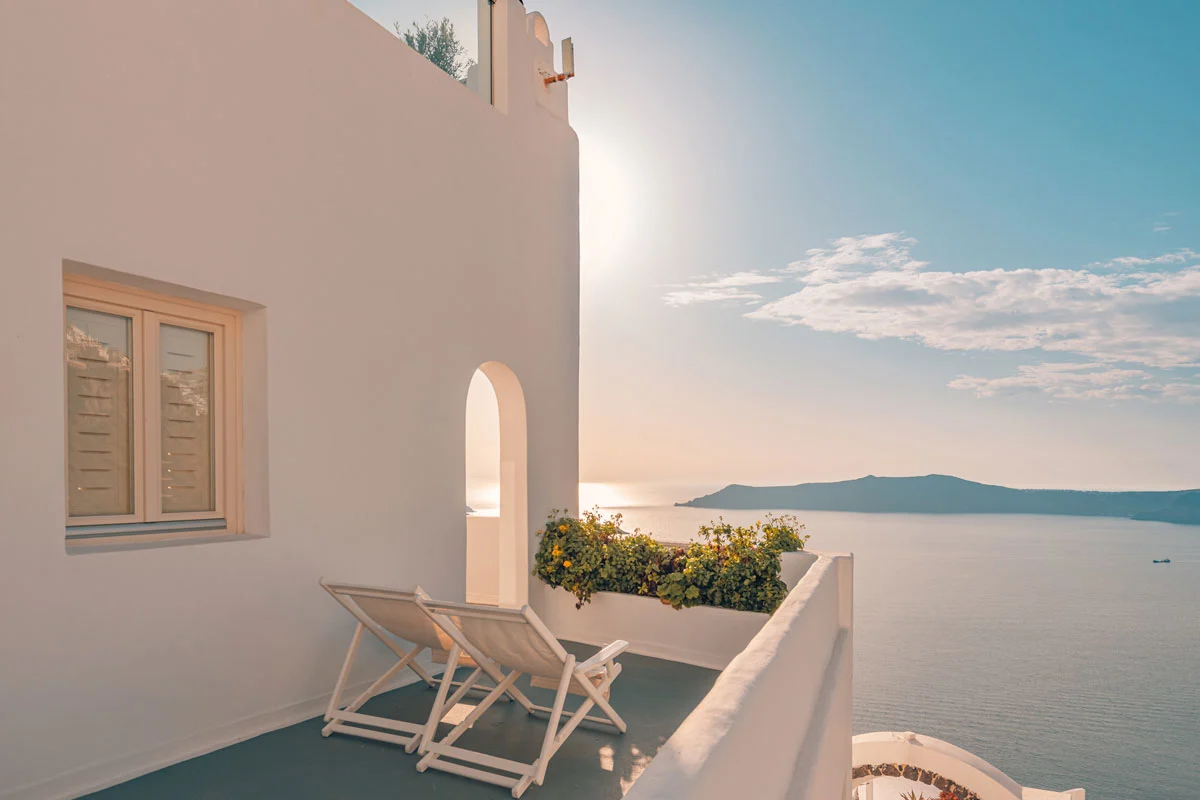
{"x": 703, "y": 635}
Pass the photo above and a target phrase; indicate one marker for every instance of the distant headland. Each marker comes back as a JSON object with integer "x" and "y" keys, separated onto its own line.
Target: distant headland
{"x": 945, "y": 494}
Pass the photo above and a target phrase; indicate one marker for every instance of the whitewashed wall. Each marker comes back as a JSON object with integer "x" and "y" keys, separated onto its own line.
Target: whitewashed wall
{"x": 386, "y": 232}
{"x": 777, "y": 723}
{"x": 483, "y": 553}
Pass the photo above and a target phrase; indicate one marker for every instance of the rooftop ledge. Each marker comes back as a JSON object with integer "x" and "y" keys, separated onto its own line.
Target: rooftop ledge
{"x": 699, "y": 689}
{"x": 887, "y": 764}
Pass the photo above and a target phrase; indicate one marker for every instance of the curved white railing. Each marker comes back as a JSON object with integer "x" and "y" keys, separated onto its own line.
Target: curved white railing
{"x": 776, "y": 723}
{"x": 932, "y": 761}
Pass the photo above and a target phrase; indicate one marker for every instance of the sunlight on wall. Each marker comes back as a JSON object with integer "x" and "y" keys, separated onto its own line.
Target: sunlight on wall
{"x": 483, "y": 445}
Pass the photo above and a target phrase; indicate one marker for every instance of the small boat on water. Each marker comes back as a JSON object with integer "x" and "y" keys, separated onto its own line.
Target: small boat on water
{"x": 1162, "y": 561}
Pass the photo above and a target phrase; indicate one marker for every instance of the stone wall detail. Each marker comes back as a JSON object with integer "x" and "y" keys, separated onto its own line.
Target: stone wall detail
{"x": 939, "y": 782}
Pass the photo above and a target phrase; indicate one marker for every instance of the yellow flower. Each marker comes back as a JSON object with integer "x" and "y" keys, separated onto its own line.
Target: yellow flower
{"x": 566, "y": 564}
{"x": 556, "y": 552}
{"x": 562, "y": 528}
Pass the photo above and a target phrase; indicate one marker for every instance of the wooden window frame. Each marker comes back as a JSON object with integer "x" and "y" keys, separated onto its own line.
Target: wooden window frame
{"x": 148, "y": 311}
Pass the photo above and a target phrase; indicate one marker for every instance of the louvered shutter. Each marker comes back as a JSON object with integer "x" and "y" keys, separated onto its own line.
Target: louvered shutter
{"x": 186, "y": 394}
{"x": 99, "y": 413}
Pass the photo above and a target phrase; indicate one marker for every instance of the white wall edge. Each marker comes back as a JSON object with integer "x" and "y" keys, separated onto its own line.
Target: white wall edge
{"x": 96, "y": 777}
{"x": 953, "y": 762}
{"x": 778, "y": 683}
{"x": 815, "y": 737}
{"x": 696, "y": 658}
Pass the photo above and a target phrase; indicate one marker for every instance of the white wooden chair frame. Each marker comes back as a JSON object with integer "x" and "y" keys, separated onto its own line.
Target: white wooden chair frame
{"x": 591, "y": 678}
{"x": 346, "y": 719}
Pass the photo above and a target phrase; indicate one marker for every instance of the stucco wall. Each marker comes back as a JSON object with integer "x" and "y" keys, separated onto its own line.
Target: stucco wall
{"x": 483, "y": 552}
{"x": 386, "y": 232}
{"x": 777, "y": 723}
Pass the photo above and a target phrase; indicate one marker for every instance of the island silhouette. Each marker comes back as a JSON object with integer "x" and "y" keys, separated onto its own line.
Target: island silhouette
{"x": 946, "y": 494}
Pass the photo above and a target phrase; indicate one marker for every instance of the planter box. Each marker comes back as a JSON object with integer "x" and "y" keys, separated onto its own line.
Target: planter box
{"x": 704, "y": 635}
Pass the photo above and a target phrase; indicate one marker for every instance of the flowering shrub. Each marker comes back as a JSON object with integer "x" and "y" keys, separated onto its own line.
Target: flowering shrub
{"x": 731, "y": 566}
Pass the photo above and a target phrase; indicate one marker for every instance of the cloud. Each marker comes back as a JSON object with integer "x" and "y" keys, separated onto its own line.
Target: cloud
{"x": 1073, "y": 381}
{"x": 1183, "y": 256}
{"x": 1061, "y": 380}
{"x": 1115, "y": 317}
{"x": 716, "y": 290}
{"x": 852, "y": 255}
{"x": 1184, "y": 392}
{"x": 1162, "y": 226}
{"x": 1122, "y": 321}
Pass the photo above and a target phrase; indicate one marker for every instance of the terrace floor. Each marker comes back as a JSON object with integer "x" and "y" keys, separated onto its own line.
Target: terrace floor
{"x": 654, "y": 696}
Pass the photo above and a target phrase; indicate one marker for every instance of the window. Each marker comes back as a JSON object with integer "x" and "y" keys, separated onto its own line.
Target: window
{"x": 152, "y": 413}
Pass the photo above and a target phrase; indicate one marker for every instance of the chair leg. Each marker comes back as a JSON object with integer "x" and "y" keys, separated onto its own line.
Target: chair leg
{"x": 525, "y": 702}
{"x": 596, "y": 694}
{"x": 564, "y": 685}
{"x": 407, "y": 661}
{"x": 436, "y": 714}
{"x": 523, "y": 784}
{"x": 341, "y": 681}
{"x": 610, "y": 712}
{"x": 468, "y": 686}
{"x": 422, "y": 674}
{"x": 429, "y": 740}
{"x": 497, "y": 676}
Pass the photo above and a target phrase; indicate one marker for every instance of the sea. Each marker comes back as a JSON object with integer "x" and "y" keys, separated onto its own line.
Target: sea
{"x": 1051, "y": 647}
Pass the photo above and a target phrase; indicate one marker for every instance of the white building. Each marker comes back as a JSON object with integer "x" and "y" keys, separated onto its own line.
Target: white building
{"x": 276, "y": 244}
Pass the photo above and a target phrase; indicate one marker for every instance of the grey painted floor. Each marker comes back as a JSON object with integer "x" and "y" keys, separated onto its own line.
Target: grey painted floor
{"x": 652, "y": 695}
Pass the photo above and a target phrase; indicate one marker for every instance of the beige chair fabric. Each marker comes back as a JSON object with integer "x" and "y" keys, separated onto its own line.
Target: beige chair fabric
{"x": 518, "y": 640}
{"x": 395, "y": 618}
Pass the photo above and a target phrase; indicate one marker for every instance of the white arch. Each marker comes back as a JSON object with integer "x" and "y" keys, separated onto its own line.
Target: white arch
{"x": 536, "y": 24}
{"x": 513, "y": 561}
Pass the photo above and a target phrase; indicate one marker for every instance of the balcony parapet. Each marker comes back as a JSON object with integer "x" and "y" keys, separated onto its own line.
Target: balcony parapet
{"x": 945, "y": 767}
{"x": 777, "y": 723}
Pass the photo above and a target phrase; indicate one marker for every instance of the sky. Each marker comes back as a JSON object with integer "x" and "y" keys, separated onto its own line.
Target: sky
{"x": 821, "y": 240}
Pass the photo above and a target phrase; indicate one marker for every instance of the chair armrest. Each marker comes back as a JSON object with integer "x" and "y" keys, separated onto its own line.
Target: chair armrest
{"x": 607, "y": 653}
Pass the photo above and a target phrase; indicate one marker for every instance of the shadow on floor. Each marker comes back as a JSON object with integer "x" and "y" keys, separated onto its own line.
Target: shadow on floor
{"x": 654, "y": 696}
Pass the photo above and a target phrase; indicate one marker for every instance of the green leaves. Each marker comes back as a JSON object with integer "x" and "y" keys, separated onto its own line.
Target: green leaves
{"x": 731, "y": 567}
{"x": 438, "y": 42}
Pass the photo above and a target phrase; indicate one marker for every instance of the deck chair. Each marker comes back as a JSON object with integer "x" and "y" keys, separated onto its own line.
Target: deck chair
{"x": 517, "y": 640}
{"x": 389, "y": 614}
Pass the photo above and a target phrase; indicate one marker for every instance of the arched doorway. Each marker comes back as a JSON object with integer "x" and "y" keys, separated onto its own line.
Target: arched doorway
{"x": 498, "y": 528}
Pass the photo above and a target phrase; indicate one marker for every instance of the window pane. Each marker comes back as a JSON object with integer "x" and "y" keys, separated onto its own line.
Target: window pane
{"x": 99, "y": 355}
{"x": 185, "y": 360}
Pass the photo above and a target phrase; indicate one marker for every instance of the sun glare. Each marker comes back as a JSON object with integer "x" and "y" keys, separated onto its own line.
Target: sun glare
{"x": 605, "y": 495}
{"x": 609, "y": 204}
